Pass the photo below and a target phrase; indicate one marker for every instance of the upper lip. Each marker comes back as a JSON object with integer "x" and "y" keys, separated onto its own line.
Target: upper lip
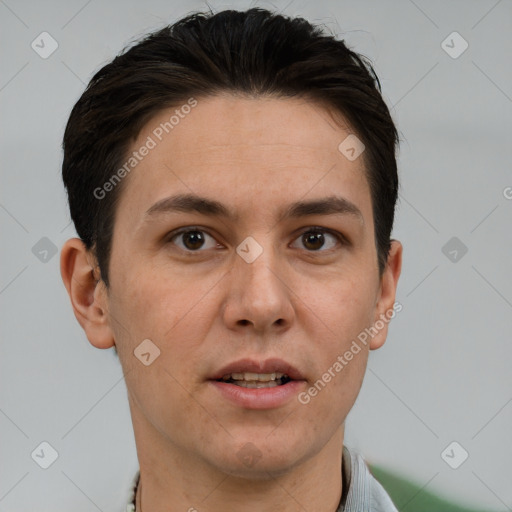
{"x": 253, "y": 366}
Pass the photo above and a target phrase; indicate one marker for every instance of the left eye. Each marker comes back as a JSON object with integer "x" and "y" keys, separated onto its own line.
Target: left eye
{"x": 315, "y": 239}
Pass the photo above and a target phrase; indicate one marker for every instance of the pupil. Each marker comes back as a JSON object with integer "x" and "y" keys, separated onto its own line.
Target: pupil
{"x": 313, "y": 238}
{"x": 193, "y": 239}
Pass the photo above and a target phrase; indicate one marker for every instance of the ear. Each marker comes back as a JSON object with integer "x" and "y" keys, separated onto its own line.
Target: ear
{"x": 87, "y": 292}
{"x": 385, "y": 306}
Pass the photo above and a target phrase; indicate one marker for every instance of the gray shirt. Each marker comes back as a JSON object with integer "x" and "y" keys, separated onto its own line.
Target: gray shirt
{"x": 361, "y": 491}
{"x": 364, "y": 494}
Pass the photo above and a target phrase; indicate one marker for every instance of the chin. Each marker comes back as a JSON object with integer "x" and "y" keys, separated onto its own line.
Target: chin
{"x": 260, "y": 471}
{"x": 261, "y": 460}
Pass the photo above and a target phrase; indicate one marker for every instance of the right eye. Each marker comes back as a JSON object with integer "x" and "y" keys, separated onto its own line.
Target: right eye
{"x": 192, "y": 239}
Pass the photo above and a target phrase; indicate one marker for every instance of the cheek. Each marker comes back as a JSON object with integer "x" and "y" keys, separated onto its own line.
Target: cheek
{"x": 142, "y": 292}
{"x": 338, "y": 317}
{"x": 164, "y": 309}
{"x": 335, "y": 388}
{"x": 340, "y": 309}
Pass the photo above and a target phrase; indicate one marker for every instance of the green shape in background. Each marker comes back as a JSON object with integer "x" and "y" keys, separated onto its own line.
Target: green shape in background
{"x": 409, "y": 497}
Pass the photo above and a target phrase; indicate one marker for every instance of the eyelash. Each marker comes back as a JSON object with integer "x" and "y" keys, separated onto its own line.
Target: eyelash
{"x": 312, "y": 229}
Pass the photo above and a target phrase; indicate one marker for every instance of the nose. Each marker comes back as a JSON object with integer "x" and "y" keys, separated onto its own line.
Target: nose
{"x": 258, "y": 294}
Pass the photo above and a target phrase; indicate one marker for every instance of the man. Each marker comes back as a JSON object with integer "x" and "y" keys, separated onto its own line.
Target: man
{"x": 232, "y": 179}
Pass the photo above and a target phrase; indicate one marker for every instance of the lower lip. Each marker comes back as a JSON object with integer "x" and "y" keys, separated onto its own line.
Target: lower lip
{"x": 259, "y": 398}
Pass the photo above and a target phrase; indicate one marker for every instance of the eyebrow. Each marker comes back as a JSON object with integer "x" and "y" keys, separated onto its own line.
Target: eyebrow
{"x": 192, "y": 203}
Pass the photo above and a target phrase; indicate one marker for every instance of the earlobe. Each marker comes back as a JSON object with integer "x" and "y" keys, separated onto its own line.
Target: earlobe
{"x": 386, "y": 307}
{"x": 86, "y": 292}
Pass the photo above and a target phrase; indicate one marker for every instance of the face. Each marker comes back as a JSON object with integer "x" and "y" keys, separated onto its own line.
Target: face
{"x": 250, "y": 280}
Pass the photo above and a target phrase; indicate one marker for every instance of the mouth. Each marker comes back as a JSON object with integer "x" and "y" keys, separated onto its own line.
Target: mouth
{"x": 256, "y": 380}
{"x": 252, "y": 384}
{"x": 250, "y": 373}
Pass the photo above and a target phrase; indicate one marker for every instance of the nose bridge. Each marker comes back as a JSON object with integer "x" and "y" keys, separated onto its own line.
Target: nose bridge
{"x": 258, "y": 263}
{"x": 260, "y": 294}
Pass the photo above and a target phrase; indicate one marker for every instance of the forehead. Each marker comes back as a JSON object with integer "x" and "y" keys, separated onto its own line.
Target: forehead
{"x": 225, "y": 121}
{"x": 245, "y": 149}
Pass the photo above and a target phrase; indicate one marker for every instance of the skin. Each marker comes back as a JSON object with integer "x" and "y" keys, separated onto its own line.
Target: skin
{"x": 207, "y": 308}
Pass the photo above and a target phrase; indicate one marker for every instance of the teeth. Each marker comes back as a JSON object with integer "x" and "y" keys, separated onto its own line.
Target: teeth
{"x": 257, "y": 384}
{"x": 249, "y": 376}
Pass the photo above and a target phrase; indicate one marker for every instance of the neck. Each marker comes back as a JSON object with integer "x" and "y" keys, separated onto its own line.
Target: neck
{"x": 172, "y": 479}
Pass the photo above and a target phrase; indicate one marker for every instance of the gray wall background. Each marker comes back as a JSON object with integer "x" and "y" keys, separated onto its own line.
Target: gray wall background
{"x": 444, "y": 373}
